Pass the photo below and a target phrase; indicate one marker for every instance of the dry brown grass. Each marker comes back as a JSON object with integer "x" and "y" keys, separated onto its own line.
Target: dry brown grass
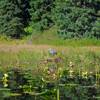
{"x": 16, "y": 48}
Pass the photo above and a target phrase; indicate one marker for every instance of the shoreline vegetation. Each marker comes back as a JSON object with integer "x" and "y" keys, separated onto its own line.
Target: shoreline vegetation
{"x": 49, "y": 49}
{"x": 50, "y": 73}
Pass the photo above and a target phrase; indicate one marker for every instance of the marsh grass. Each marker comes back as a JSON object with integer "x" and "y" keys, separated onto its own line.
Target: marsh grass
{"x": 50, "y": 37}
{"x": 68, "y": 69}
{"x": 80, "y": 57}
{"x": 19, "y": 59}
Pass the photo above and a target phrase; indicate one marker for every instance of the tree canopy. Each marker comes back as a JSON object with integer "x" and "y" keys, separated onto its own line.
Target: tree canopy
{"x": 13, "y": 17}
{"x": 73, "y": 18}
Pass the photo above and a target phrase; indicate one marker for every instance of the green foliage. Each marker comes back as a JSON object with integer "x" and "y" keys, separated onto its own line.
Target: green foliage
{"x": 76, "y": 18}
{"x": 56, "y": 77}
{"x": 40, "y": 11}
{"x": 96, "y": 29}
{"x": 11, "y": 18}
{"x": 73, "y": 18}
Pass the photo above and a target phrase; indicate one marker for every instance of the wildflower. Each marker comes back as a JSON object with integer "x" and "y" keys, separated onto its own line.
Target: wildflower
{"x": 52, "y": 51}
{"x": 54, "y": 76}
{"x": 71, "y": 64}
{"x": 91, "y": 72}
{"x": 20, "y": 86}
{"x": 43, "y": 79}
{"x": 49, "y": 60}
{"x": 5, "y": 80}
{"x": 57, "y": 60}
{"x": 84, "y": 74}
{"x": 48, "y": 72}
{"x": 52, "y": 69}
{"x": 5, "y": 85}
{"x": 5, "y": 75}
{"x": 71, "y": 73}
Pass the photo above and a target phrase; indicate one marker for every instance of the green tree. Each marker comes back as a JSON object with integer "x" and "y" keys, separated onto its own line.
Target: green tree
{"x": 12, "y": 18}
{"x": 24, "y": 6}
{"x": 96, "y": 29}
{"x": 76, "y": 18}
{"x": 40, "y": 11}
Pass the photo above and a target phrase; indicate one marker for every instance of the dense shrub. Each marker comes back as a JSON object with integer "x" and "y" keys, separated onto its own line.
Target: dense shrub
{"x": 73, "y": 18}
{"x": 77, "y": 18}
{"x": 41, "y": 18}
{"x": 14, "y": 17}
